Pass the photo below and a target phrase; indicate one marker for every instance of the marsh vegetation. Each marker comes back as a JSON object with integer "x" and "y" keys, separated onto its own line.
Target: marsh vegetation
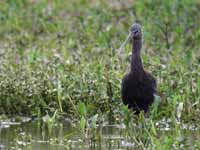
{"x": 59, "y": 67}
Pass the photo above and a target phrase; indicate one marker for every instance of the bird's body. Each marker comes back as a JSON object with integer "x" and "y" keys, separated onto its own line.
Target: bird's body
{"x": 137, "y": 93}
{"x": 138, "y": 86}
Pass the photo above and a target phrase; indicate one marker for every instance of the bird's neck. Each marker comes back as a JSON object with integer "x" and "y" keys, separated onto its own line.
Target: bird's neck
{"x": 136, "y": 61}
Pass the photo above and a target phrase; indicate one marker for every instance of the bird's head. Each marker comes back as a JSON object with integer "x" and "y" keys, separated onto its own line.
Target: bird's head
{"x": 135, "y": 31}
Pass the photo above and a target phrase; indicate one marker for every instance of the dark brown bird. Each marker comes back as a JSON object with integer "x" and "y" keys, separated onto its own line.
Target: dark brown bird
{"x": 138, "y": 86}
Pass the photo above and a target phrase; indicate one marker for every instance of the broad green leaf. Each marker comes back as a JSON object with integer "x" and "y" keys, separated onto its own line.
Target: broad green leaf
{"x": 82, "y": 109}
{"x": 83, "y": 124}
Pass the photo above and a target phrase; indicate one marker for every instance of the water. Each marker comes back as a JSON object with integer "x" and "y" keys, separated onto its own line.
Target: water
{"x": 33, "y": 135}
{"x": 36, "y": 135}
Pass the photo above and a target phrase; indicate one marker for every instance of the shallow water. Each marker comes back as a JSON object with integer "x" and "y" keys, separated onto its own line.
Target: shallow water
{"x": 36, "y": 135}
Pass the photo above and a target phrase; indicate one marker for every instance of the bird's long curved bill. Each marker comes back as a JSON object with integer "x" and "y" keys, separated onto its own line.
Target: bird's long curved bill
{"x": 120, "y": 50}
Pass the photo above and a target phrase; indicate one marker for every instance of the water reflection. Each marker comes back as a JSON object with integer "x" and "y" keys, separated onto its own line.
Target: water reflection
{"x": 35, "y": 135}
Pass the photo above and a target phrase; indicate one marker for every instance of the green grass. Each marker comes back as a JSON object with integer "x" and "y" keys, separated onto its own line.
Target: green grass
{"x": 56, "y": 54}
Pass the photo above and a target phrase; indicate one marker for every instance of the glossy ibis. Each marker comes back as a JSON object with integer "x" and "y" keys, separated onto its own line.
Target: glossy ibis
{"x": 138, "y": 86}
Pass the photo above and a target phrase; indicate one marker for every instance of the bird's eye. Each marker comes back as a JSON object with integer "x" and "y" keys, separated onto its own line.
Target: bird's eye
{"x": 135, "y": 31}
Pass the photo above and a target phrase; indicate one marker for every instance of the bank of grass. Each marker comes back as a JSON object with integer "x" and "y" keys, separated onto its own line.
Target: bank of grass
{"x": 56, "y": 54}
